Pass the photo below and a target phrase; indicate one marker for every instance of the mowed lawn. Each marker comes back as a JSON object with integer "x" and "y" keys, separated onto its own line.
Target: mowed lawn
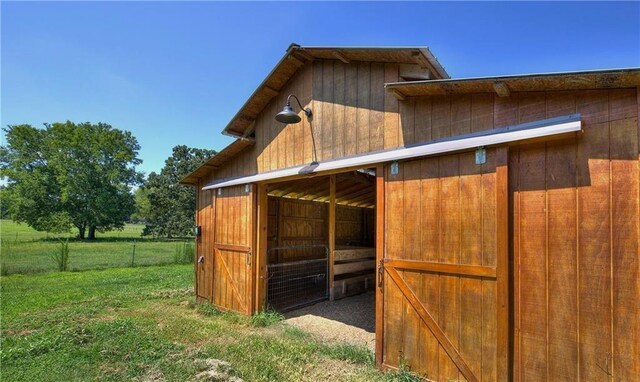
{"x": 142, "y": 324}
{"x": 25, "y": 250}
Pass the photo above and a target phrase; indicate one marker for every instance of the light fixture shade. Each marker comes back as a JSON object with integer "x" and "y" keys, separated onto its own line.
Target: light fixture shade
{"x": 287, "y": 115}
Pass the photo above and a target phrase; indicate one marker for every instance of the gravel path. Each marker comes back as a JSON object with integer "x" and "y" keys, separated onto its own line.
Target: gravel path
{"x": 350, "y": 320}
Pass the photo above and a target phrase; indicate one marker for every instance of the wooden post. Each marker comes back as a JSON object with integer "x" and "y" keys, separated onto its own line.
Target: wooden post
{"x": 379, "y": 236}
{"x": 502, "y": 265}
{"x": 261, "y": 247}
{"x": 197, "y": 246}
{"x": 332, "y": 230}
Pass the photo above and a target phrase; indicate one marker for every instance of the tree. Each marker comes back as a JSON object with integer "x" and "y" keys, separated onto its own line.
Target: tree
{"x": 73, "y": 175}
{"x": 172, "y": 205}
{"x": 143, "y": 208}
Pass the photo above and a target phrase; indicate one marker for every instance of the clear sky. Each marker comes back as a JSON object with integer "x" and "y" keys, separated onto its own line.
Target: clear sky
{"x": 176, "y": 73}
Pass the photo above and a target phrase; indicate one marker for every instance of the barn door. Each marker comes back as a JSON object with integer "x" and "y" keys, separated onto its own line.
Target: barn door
{"x": 444, "y": 268}
{"x": 233, "y": 248}
{"x": 204, "y": 251}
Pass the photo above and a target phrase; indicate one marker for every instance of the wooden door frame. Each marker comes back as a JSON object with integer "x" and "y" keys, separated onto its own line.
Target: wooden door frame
{"x": 500, "y": 272}
{"x": 261, "y": 233}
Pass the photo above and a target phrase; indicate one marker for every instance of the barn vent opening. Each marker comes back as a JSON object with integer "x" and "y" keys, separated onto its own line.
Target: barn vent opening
{"x": 322, "y": 262}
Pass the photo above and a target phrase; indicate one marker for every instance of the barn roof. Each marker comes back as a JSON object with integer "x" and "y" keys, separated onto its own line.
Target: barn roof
{"x": 503, "y": 85}
{"x": 296, "y": 56}
{"x": 216, "y": 161}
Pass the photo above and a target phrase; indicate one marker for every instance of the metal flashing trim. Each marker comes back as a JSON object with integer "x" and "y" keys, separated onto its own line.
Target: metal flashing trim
{"x": 531, "y": 130}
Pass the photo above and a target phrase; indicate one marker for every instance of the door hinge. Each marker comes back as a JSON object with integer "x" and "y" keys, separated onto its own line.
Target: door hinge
{"x": 249, "y": 258}
{"x": 380, "y": 273}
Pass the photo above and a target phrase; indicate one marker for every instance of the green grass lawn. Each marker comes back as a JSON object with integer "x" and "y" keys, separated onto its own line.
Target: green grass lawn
{"x": 141, "y": 324}
{"x": 25, "y": 250}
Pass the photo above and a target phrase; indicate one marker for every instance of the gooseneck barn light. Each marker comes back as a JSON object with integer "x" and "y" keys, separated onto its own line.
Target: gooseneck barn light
{"x": 287, "y": 115}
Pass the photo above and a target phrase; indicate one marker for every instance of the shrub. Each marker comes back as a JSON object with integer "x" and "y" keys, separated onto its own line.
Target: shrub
{"x": 61, "y": 256}
{"x": 266, "y": 318}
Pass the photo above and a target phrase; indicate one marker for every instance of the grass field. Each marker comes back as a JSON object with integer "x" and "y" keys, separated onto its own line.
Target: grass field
{"x": 24, "y": 250}
{"x": 141, "y": 324}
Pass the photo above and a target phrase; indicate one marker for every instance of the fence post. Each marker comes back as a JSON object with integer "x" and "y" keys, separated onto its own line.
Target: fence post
{"x": 133, "y": 254}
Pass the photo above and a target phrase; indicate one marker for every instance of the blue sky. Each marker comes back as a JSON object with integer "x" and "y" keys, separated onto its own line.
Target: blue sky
{"x": 176, "y": 73}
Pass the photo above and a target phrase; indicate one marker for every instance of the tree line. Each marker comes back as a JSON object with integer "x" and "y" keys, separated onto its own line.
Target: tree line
{"x": 82, "y": 176}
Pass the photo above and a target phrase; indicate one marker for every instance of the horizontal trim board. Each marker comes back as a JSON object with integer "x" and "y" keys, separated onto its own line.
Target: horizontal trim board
{"x": 531, "y": 130}
{"x": 454, "y": 269}
{"x": 232, "y": 247}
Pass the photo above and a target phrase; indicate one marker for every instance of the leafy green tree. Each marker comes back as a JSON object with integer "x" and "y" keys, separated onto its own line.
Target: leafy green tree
{"x": 70, "y": 175}
{"x": 172, "y": 205}
{"x": 143, "y": 208}
{"x": 4, "y": 203}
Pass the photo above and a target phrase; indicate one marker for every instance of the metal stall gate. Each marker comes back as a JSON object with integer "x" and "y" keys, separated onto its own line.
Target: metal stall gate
{"x": 293, "y": 284}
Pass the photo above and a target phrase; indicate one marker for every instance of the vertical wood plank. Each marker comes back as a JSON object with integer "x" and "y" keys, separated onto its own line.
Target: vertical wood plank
{"x": 411, "y": 251}
{"x": 407, "y": 122}
{"x": 533, "y": 329}
{"x": 441, "y": 117}
{"x": 460, "y": 115}
{"x": 380, "y": 244}
{"x": 489, "y": 258}
{"x": 502, "y": 262}
{"x": 364, "y": 102}
{"x": 328, "y": 126}
{"x": 429, "y": 250}
{"x": 338, "y": 109}
{"x": 391, "y": 118}
{"x": 423, "y": 119}
{"x": 594, "y": 238}
{"x": 471, "y": 253}
{"x": 318, "y": 107}
{"x": 449, "y": 319}
{"x": 332, "y": 230}
{"x": 351, "y": 110}
{"x": 261, "y": 250}
{"x": 376, "y": 115}
{"x": 394, "y": 228}
{"x": 625, "y": 267}
{"x": 307, "y": 81}
{"x": 481, "y": 111}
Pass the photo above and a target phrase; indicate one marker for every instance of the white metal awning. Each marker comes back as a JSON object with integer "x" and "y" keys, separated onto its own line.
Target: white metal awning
{"x": 531, "y": 130}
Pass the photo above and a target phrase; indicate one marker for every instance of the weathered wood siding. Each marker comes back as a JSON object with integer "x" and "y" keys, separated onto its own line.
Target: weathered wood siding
{"x": 352, "y": 114}
{"x": 574, "y": 207}
{"x": 574, "y": 204}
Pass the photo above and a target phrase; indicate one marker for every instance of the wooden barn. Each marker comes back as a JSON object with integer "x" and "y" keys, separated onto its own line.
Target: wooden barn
{"x": 496, "y": 218}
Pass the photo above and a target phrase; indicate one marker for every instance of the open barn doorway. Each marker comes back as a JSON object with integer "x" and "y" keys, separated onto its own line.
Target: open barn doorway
{"x": 320, "y": 252}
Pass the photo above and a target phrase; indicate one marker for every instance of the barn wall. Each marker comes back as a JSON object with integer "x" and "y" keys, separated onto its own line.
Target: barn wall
{"x": 574, "y": 204}
{"x": 294, "y": 222}
{"x": 574, "y": 207}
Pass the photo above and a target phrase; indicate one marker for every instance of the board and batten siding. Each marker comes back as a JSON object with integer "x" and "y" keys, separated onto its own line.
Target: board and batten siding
{"x": 573, "y": 204}
{"x": 574, "y": 232}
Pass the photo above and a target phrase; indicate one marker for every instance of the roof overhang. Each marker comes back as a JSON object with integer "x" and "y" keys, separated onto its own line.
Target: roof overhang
{"x": 216, "y": 161}
{"x": 551, "y": 127}
{"x": 297, "y": 56}
{"x": 503, "y": 85}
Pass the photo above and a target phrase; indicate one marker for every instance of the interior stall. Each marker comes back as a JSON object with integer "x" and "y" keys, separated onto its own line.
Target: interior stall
{"x": 320, "y": 239}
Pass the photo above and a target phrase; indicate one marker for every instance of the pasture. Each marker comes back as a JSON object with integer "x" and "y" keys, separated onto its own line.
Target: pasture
{"x": 142, "y": 324}
{"x": 25, "y": 250}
